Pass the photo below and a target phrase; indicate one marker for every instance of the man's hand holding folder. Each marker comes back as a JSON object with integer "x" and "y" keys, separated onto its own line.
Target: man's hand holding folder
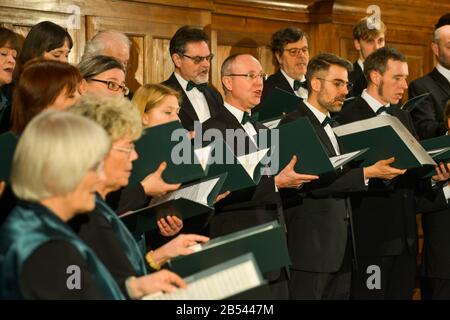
{"x": 382, "y": 170}
{"x": 288, "y": 178}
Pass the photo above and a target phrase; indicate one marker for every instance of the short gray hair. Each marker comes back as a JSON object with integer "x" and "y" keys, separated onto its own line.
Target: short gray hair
{"x": 97, "y": 45}
{"x": 93, "y": 66}
{"x": 117, "y": 115}
{"x": 54, "y": 153}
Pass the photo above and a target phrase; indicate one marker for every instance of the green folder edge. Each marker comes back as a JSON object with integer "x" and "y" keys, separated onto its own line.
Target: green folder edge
{"x": 271, "y": 108}
{"x": 141, "y": 170}
{"x": 267, "y": 260}
{"x": 144, "y": 220}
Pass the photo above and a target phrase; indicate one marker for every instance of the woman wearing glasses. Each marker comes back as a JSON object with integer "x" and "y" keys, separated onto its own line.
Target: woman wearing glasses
{"x": 39, "y": 252}
{"x": 102, "y": 230}
{"x": 104, "y": 76}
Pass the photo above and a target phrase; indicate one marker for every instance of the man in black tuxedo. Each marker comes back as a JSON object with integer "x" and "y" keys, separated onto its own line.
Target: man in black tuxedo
{"x": 290, "y": 49}
{"x": 367, "y": 37}
{"x": 385, "y": 216}
{"x": 428, "y": 115}
{"x": 319, "y": 233}
{"x": 191, "y": 57}
{"x": 242, "y": 80}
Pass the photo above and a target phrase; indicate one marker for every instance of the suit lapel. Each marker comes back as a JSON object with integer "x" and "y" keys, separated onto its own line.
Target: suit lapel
{"x": 283, "y": 83}
{"x": 320, "y": 131}
{"x": 186, "y": 105}
{"x": 441, "y": 81}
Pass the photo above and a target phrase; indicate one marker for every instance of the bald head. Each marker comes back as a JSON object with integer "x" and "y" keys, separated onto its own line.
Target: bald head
{"x": 441, "y": 45}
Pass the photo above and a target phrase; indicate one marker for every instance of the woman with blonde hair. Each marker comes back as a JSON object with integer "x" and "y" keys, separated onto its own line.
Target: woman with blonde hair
{"x": 157, "y": 104}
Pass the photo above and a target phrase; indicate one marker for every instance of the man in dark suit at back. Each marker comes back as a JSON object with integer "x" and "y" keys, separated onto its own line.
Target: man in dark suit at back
{"x": 290, "y": 49}
{"x": 385, "y": 216}
{"x": 428, "y": 115}
{"x": 368, "y": 36}
{"x": 192, "y": 60}
{"x": 319, "y": 232}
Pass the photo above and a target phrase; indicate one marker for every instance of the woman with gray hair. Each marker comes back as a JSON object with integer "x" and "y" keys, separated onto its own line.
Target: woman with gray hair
{"x": 40, "y": 256}
{"x": 104, "y": 76}
{"x": 102, "y": 229}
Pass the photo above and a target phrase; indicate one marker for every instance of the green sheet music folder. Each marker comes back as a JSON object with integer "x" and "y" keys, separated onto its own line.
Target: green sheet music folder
{"x": 156, "y": 146}
{"x": 267, "y": 242}
{"x": 189, "y": 202}
{"x": 279, "y": 102}
{"x": 8, "y": 143}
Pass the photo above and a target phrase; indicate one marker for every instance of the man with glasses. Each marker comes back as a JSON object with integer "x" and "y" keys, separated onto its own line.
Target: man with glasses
{"x": 290, "y": 49}
{"x": 368, "y": 36}
{"x": 242, "y": 81}
{"x": 192, "y": 60}
{"x": 320, "y": 238}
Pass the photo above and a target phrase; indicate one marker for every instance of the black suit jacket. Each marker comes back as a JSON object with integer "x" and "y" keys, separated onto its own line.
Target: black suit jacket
{"x": 428, "y": 116}
{"x": 187, "y": 112}
{"x": 5, "y": 118}
{"x": 244, "y": 208}
{"x": 318, "y": 224}
{"x": 276, "y": 80}
{"x": 384, "y": 216}
{"x": 358, "y": 79}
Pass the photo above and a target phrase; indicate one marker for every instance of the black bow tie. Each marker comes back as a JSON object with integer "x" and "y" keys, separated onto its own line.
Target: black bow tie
{"x": 248, "y": 118}
{"x": 388, "y": 110}
{"x": 200, "y": 86}
{"x": 298, "y": 84}
{"x": 331, "y": 122}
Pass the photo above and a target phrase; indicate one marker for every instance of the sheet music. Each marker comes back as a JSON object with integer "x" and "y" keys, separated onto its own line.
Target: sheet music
{"x": 272, "y": 123}
{"x": 251, "y": 160}
{"x": 340, "y": 160}
{"x": 198, "y": 192}
{"x": 232, "y": 237}
{"x": 217, "y": 286}
{"x": 376, "y": 122}
{"x": 203, "y": 155}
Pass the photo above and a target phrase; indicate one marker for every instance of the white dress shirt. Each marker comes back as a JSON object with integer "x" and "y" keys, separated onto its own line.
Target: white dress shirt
{"x": 197, "y": 100}
{"x": 373, "y": 103}
{"x": 239, "y": 114}
{"x": 321, "y": 117}
{"x": 301, "y": 92}
{"x": 361, "y": 64}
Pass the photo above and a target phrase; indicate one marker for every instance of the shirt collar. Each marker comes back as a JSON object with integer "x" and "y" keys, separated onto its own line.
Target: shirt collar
{"x": 290, "y": 80}
{"x": 444, "y": 71}
{"x": 319, "y": 115}
{"x": 371, "y": 101}
{"x": 361, "y": 64}
{"x": 183, "y": 83}
{"x": 237, "y": 113}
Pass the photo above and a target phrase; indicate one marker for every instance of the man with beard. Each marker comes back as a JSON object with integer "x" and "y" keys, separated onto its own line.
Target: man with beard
{"x": 290, "y": 49}
{"x": 367, "y": 38}
{"x": 385, "y": 216}
{"x": 192, "y": 59}
{"x": 428, "y": 116}
{"x": 319, "y": 233}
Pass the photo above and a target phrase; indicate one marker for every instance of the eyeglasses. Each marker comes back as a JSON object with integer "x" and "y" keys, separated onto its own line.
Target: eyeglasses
{"x": 339, "y": 83}
{"x": 250, "y": 76}
{"x": 113, "y": 86}
{"x": 126, "y": 150}
{"x": 293, "y": 52}
{"x": 198, "y": 59}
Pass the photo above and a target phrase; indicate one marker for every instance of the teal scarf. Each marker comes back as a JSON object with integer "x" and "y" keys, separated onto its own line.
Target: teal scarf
{"x": 129, "y": 244}
{"x": 31, "y": 225}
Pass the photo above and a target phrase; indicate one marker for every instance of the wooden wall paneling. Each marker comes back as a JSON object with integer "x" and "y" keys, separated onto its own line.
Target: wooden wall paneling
{"x": 150, "y": 59}
{"x": 21, "y": 21}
